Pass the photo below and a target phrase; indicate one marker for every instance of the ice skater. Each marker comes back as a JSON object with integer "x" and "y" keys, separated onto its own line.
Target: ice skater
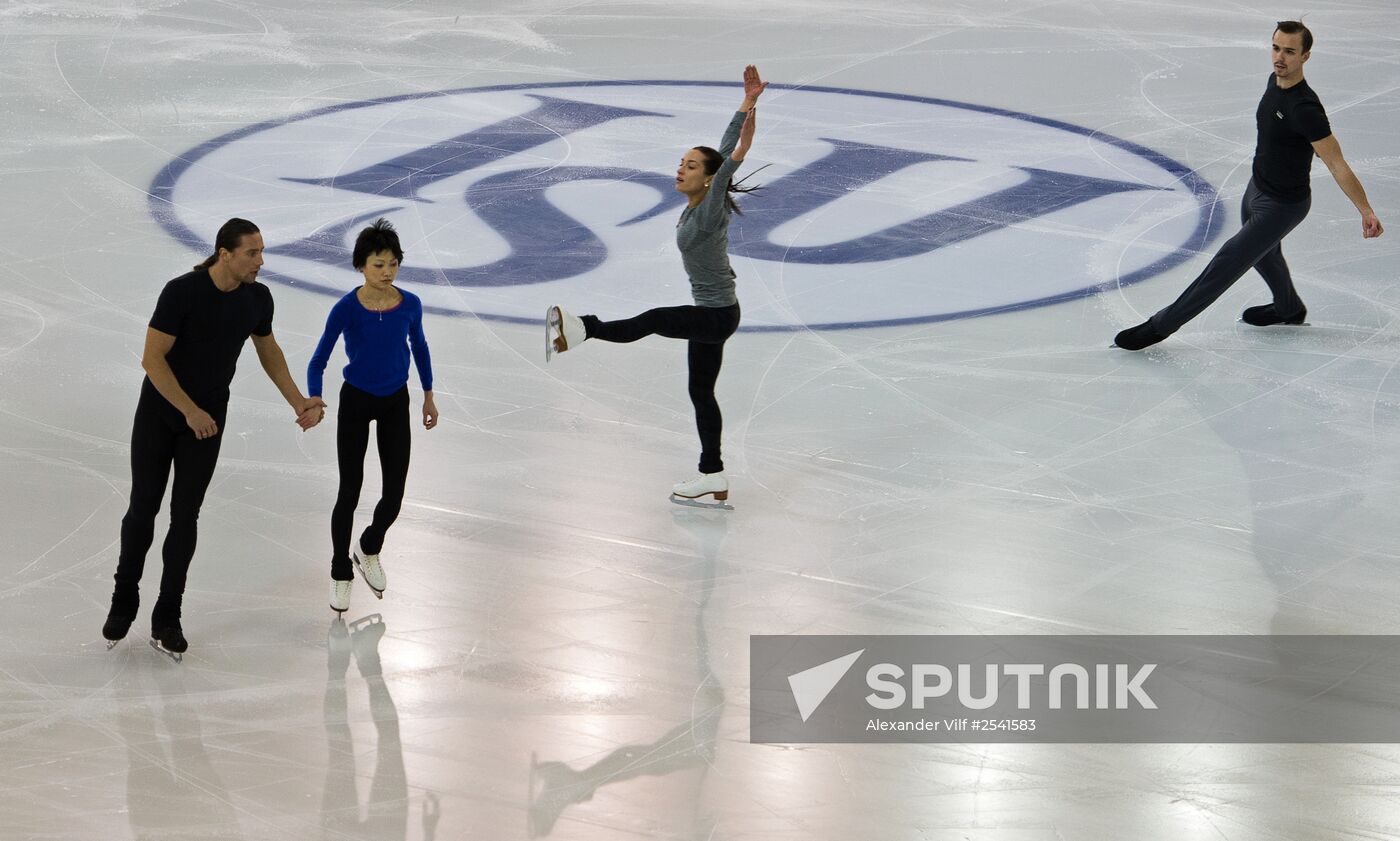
{"x": 382, "y": 324}
{"x": 702, "y": 234}
{"x": 192, "y": 346}
{"x": 1292, "y": 127}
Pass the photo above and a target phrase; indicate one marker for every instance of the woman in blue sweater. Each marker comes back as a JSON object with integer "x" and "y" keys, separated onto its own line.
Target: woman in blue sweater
{"x": 702, "y": 234}
{"x": 381, "y": 324}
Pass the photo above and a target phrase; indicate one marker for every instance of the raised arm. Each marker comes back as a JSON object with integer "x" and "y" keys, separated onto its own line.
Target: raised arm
{"x": 1331, "y": 153}
{"x": 753, "y": 89}
{"x": 745, "y": 137}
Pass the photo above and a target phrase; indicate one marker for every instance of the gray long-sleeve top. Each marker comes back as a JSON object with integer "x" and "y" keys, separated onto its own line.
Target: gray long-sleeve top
{"x": 703, "y": 232}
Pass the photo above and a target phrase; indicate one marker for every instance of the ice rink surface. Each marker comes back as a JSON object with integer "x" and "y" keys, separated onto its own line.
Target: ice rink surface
{"x": 562, "y": 651}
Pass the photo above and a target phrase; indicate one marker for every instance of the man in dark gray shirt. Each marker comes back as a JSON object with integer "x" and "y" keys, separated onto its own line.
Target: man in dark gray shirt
{"x": 1292, "y": 127}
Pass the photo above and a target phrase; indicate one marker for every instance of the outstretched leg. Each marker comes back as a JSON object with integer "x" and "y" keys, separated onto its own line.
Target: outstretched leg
{"x": 701, "y": 324}
{"x": 1266, "y": 221}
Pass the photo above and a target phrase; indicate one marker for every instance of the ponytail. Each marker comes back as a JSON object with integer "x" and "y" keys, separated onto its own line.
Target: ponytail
{"x": 713, "y": 160}
{"x": 228, "y": 238}
{"x": 734, "y": 187}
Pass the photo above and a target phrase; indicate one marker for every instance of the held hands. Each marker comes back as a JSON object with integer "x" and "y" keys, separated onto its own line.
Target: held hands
{"x": 430, "y": 412}
{"x": 202, "y": 423}
{"x": 1371, "y": 226}
{"x": 311, "y": 412}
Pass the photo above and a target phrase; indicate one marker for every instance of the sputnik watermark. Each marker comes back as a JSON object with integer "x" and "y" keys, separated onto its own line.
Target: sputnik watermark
{"x": 1075, "y": 689}
{"x": 932, "y": 680}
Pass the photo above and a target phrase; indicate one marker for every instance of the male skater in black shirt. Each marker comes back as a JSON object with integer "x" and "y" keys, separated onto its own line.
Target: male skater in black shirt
{"x": 1292, "y": 126}
{"x": 192, "y": 346}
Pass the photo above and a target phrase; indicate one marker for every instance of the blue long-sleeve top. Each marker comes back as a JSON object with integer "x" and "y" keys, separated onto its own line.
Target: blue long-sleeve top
{"x": 377, "y": 343}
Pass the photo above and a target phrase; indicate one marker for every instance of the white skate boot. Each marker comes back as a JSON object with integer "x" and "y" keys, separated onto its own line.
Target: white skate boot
{"x": 706, "y": 484}
{"x": 370, "y": 570}
{"x": 340, "y": 595}
{"x": 562, "y": 332}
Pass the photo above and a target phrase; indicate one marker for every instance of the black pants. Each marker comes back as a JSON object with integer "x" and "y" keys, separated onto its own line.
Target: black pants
{"x": 1266, "y": 221}
{"x": 392, "y": 435}
{"x": 706, "y": 329}
{"x": 160, "y": 440}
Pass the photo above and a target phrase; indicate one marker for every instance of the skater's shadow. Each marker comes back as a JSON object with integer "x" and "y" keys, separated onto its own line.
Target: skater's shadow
{"x": 554, "y": 786}
{"x": 386, "y": 813}
{"x": 1306, "y": 508}
{"x": 172, "y": 788}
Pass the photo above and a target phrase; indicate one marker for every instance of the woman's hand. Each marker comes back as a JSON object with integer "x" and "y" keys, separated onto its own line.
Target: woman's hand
{"x": 753, "y": 88}
{"x": 430, "y": 412}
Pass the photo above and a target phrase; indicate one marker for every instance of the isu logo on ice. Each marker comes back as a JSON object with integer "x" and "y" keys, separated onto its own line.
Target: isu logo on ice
{"x": 876, "y": 208}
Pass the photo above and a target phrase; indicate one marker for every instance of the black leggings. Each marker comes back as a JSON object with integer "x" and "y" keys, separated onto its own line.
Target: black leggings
{"x": 160, "y": 439}
{"x": 357, "y": 409}
{"x": 706, "y": 329}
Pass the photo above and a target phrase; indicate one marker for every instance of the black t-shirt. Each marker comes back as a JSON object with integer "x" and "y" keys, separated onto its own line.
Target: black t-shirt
{"x": 1290, "y": 121}
{"x": 210, "y": 327}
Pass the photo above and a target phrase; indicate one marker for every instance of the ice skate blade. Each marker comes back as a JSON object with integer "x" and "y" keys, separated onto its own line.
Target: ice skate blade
{"x": 721, "y": 496}
{"x": 696, "y": 502}
{"x": 174, "y": 656}
{"x": 552, "y": 325}
{"x": 111, "y": 644}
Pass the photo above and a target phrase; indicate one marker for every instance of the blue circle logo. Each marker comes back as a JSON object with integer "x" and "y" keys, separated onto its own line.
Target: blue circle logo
{"x": 875, "y": 209}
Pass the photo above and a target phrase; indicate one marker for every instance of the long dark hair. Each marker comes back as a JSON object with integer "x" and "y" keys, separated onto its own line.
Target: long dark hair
{"x": 228, "y": 238}
{"x": 713, "y": 159}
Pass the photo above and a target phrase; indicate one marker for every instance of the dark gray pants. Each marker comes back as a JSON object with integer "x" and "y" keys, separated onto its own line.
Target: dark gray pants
{"x": 1266, "y": 221}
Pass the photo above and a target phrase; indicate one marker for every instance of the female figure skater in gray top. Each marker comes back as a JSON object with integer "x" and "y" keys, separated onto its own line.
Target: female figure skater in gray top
{"x": 703, "y": 238}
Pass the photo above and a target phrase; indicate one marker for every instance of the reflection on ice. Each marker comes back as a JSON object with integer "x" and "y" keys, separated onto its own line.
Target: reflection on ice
{"x": 564, "y": 653}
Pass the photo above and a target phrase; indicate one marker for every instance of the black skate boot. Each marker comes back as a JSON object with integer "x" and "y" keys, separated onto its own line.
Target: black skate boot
{"x": 118, "y": 623}
{"x": 169, "y": 640}
{"x": 1137, "y": 338}
{"x": 119, "y": 618}
{"x": 1267, "y": 316}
